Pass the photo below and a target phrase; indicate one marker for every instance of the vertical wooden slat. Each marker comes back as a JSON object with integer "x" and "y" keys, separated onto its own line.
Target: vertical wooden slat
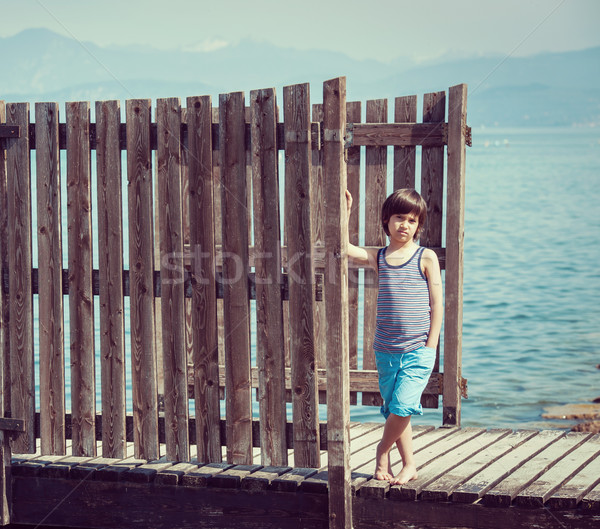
{"x": 4, "y": 300}
{"x": 204, "y": 296}
{"x": 20, "y": 280}
{"x": 455, "y": 225}
{"x": 81, "y": 303}
{"x": 267, "y": 263}
{"x": 110, "y": 245}
{"x": 141, "y": 277}
{"x": 353, "y": 115}
{"x": 51, "y": 340}
{"x": 318, "y": 237}
{"x": 236, "y": 304}
{"x": 376, "y": 186}
{"x": 174, "y": 350}
{"x": 432, "y": 190}
{"x": 5, "y": 454}
{"x": 336, "y": 300}
{"x": 405, "y": 111}
{"x": 301, "y": 274}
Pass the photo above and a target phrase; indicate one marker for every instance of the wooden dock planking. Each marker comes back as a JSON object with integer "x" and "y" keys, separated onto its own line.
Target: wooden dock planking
{"x": 567, "y": 468}
{"x": 449, "y": 455}
{"x": 505, "y": 492}
{"x": 442, "y": 488}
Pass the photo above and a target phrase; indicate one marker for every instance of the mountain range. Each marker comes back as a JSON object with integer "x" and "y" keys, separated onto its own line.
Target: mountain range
{"x": 549, "y": 89}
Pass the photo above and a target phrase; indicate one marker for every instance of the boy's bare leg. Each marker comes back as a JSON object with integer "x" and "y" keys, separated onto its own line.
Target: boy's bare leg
{"x": 394, "y": 432}
{"x": 405, "y": 447}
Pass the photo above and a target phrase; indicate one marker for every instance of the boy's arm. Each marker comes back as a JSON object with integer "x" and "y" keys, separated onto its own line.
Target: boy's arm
{"x": 364, "y": 257}
{"x": 431, "y": 267}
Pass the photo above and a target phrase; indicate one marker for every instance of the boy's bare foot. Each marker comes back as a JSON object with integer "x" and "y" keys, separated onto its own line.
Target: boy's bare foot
{"x": 383, "y": 467}
{"x": 408, "y": 473}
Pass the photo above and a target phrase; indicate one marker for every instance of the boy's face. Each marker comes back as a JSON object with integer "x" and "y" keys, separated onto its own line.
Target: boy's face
{"x": 403, "y": 227}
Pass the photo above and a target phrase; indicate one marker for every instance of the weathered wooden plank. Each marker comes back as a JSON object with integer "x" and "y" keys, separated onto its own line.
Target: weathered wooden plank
{"x": 141, "y": 272}
{"x": 269, "y": 309}
{"x": 174, "y": 350}
{"x": 5, "y": 478}
{"x": 200, "y": 476}
{"x": 51, "y": 338}
{"x": 376, "y": 133}
{"x": 235, "y": 278}
{"x": 301, "y": 272}
{"x": 318, "y": 219}
{"x": 81, "y": 299}
{"x": 428, "y": 473}
{"x": 204, "y": 298}
{"x": 504, "y": 492}
{"x": 536, "y": 494}
{"x": 591, "y": 501}
{"x": 405, "y": 111}
{"x": 479, "y": 484}
{"x": 441, "y": 489}
{"x": 376, "y": 183}
{"x": 290, "y": 481}
{"x": 455, "y": 227}
{"x": 4, "y": 300}
{"x": 353, "y": 115}
{"x": 432, "y": 190}
{"x": 336, "y": 306}
{"x": 22, "y": 400}
{"x": 261, "y": 479}
{"x": 173, "y": 475}
{"x": 115, "y": 470}
{"x": 572, "y": 492}
{"x": 110, "y": 258}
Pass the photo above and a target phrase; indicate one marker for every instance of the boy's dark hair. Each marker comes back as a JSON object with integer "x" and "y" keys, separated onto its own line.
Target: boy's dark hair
{"x": 402, "y": 202}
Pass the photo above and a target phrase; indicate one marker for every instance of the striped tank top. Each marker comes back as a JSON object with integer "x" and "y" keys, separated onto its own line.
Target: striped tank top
{"x": 403, "y": 310}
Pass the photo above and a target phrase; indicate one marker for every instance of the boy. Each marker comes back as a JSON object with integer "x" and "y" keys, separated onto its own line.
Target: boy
{"x": 409, "y": 319}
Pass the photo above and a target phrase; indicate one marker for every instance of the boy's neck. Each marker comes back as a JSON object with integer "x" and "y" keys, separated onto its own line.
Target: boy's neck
{"x": 395, "y": 246}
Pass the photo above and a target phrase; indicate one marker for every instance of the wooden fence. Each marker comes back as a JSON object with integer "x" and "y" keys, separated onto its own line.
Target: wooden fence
{"x": 207, "y": 229}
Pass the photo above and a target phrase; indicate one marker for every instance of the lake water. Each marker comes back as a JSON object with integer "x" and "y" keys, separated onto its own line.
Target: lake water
{"x": 531, "y": 283}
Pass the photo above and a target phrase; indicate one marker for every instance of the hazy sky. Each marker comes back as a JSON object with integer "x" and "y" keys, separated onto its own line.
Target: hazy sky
{"x": 384, "y": 29}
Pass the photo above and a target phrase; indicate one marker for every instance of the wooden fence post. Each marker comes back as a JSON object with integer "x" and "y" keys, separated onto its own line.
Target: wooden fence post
{"x": 301, "y": 275}
{"x": 234, "y": 221}
{"x": 50, "y": 290}
{"x": 204, "y": 296}
{"x": 455, "y": 221}
{"x": 20, "y": 277}
{"x": 110, "y": 259}
{"x": 170, "y": 217}
{"x": 336, "y": 303}
{"x": 141, "y": 278}
{"x": 270, "y": 356}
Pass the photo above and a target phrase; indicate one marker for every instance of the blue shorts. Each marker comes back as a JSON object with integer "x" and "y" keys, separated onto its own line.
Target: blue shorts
{"x": 402, "y": 379}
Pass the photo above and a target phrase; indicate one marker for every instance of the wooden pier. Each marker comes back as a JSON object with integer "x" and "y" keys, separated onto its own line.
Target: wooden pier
{"x": 468, "y": 477}
{"x": 221, "y": 287}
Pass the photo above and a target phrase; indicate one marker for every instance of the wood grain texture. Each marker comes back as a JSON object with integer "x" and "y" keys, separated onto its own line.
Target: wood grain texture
{"x": 405, "y": 111}
{"x": 141, "y": 272}
{"x": 22, "y": 400}
{"x": 110, "y": 245}
{"x": 455, "y": 235}
{"x": 49, "y": 237}
{"x": 4, "y": 299}
{"x": 269, "y": 308}
{"x": 170, "y": 214}
{"x": 336, "y": 303}
{"x": 376, "y": 184}
{"x": 81, "y": 300}
{"x": 204, "y": 298}
{"x": 301, "y": 273}
{"x": 236, "y": 307}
